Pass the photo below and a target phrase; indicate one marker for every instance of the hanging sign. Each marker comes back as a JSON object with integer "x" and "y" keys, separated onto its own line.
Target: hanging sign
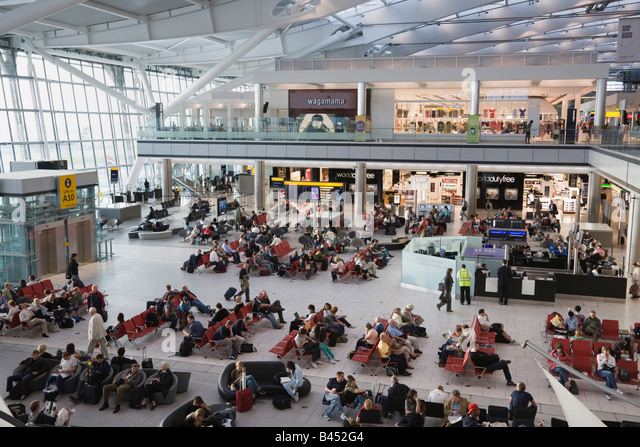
{"x": 67, "y": 191}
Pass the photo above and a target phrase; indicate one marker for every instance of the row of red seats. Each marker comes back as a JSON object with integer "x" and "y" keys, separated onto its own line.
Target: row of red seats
{"x": 136, "y": 327}
{"x": 37, "y": 290}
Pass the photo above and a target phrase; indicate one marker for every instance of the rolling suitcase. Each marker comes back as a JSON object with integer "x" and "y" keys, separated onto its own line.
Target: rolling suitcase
{"x": 231, "y": 291}
{"x": 244, "y": 400}
{"x": 90, "y": 394}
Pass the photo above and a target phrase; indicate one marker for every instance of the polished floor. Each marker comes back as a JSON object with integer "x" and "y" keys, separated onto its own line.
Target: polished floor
{"x": 139, "y": 271}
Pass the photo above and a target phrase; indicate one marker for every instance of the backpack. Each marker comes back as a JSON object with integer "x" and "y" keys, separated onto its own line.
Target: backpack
{"x": 624, "y": 375}
{"x": 281, "y": 401}
{"x": 186, "y": 349}
{"x": 16, "y": 392}
{"x": 151, "y": 320}
{"x": 66, "y": 323}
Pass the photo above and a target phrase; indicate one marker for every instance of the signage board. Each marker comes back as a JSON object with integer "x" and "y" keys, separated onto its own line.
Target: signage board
{"x": 114, "y": 175}
{"x": 473, "y": 129}
{"x": 67, "y": 193}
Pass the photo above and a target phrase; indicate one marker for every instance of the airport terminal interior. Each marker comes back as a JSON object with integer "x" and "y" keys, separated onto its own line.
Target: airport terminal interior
{"x": 368, "y": 148}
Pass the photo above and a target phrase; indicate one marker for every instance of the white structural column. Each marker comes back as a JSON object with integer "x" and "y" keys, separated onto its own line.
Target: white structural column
{"x": 88, "y": 79}
{"x": 220, "y": 67}
{"x": 142, "y": 73}
{"x": 593, "y": 205}
{"x": 633, "y": 233}
{"x": 601, "y": 98}
{"x": 229, "y": 119}
{"x": 35, "y": 92}
{"x": 258, "y": 182}
{"x": 134, "y": 173}
{"x": 470, "y": 188}
{"x": 474, "y": 94}
{"x": 359, "y": 201}
{"x": 257, "y": 94}
{"x": 32, "y": 12}
{"x": 362, "y": 92}
{"x": 167, "y": 179}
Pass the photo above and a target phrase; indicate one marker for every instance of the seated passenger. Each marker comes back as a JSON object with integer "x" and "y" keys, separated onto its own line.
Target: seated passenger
{"x": 250, "y": 381}
{"x": 592, "y": 326}
{"x": 66, "y": 369}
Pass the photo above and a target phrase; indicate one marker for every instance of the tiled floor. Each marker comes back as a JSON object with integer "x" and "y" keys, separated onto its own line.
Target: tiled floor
{"x": 140, "y": 269}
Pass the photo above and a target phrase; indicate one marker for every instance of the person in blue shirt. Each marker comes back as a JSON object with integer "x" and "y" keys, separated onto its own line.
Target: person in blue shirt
{"x": 572, "y": 322}
{"x": 296, "y": 380}
{"x": 195, "y": 331}
{"x": 97, "y": 372}
{"x": 521, "y": 398}
{"x": 334, "y": 392}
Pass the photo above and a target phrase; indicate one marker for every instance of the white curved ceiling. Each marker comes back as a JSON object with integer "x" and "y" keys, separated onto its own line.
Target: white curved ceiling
{"x": 199, "y": 33}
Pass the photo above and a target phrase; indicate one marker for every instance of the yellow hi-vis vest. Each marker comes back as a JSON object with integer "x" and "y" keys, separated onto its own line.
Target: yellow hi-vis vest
{"x": 464, "y": 278}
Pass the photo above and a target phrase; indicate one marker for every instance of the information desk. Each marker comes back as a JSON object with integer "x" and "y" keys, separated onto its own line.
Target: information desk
{"x": 519, "y": 289}
{"x": 122, "y": 211}
{"x": 602, "y": 286}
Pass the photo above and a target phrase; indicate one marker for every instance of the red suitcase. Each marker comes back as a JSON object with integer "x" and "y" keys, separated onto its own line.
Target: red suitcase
{"x": 244, "y": 400}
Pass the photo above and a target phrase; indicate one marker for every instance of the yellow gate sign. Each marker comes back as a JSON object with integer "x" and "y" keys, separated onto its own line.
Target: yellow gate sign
{"x": 67, "y": 191}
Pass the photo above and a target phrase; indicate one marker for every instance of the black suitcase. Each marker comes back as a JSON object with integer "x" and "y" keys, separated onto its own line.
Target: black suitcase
{"x": 90, "y": 394}
{"x": 229, "y": 293}
{"x": 333, "y": 339}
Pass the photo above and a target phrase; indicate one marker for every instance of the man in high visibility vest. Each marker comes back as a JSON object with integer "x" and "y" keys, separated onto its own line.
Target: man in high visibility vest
{"x": 464, "y": 280}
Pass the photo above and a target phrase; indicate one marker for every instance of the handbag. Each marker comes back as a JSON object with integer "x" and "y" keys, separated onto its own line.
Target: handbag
{"x": 441, "y": 285}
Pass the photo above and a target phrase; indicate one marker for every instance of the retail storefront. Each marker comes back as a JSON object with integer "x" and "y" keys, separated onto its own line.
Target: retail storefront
{"x": 445, "y": 111}
{"x": 329, "y": 110}
{"x": 500, "y": 190}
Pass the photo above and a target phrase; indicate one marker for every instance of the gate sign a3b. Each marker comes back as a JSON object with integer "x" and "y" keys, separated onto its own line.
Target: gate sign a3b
{"x": 67, "y": 191}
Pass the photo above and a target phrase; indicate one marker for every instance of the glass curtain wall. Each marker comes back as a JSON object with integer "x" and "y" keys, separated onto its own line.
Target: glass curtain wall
{"x": 47, "y": 113}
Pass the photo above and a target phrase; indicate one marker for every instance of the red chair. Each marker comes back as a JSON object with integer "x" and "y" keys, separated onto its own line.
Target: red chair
{"x": 610, "y": 329}
{"x": 481, "y": 371}
{"x": 284, "y": 346}
{"x": 27, "y": 291}
{"x": 456, "y": 367}
{"x": 597, "y": 346}
{"x": 38, "y": 290}
{"x": 583, "y": 364}
{"x": 581, "y": 348}
{"x": 363, "y": 356}
{"x": 632, "y": 366}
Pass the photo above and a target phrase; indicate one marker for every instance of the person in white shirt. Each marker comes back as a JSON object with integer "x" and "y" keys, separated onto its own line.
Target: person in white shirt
{"x": 438, "y": 395}
{"x": 606, "y": 365}
{"x": 97, "y": 333}
{"x": 27, "y": 317}
{"x": 67, "y": 367}
{"x": 32, "y": 281}
{"x": 498, "y": 328}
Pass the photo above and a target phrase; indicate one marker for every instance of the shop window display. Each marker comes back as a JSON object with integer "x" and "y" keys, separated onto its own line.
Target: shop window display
{"x": 442, "y": 116}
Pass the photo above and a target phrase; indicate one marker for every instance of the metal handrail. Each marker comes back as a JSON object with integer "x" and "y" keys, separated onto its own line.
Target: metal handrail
{"x": 542, "y": 352}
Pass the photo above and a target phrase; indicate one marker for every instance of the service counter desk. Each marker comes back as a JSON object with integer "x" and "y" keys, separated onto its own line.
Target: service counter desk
{"x": 602, "y": 286}
{"x": 122, "y": 211}
{"x": 600, "y": 231}
{"x": 543, "y": 262}
{"x": 519, "y": 289}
